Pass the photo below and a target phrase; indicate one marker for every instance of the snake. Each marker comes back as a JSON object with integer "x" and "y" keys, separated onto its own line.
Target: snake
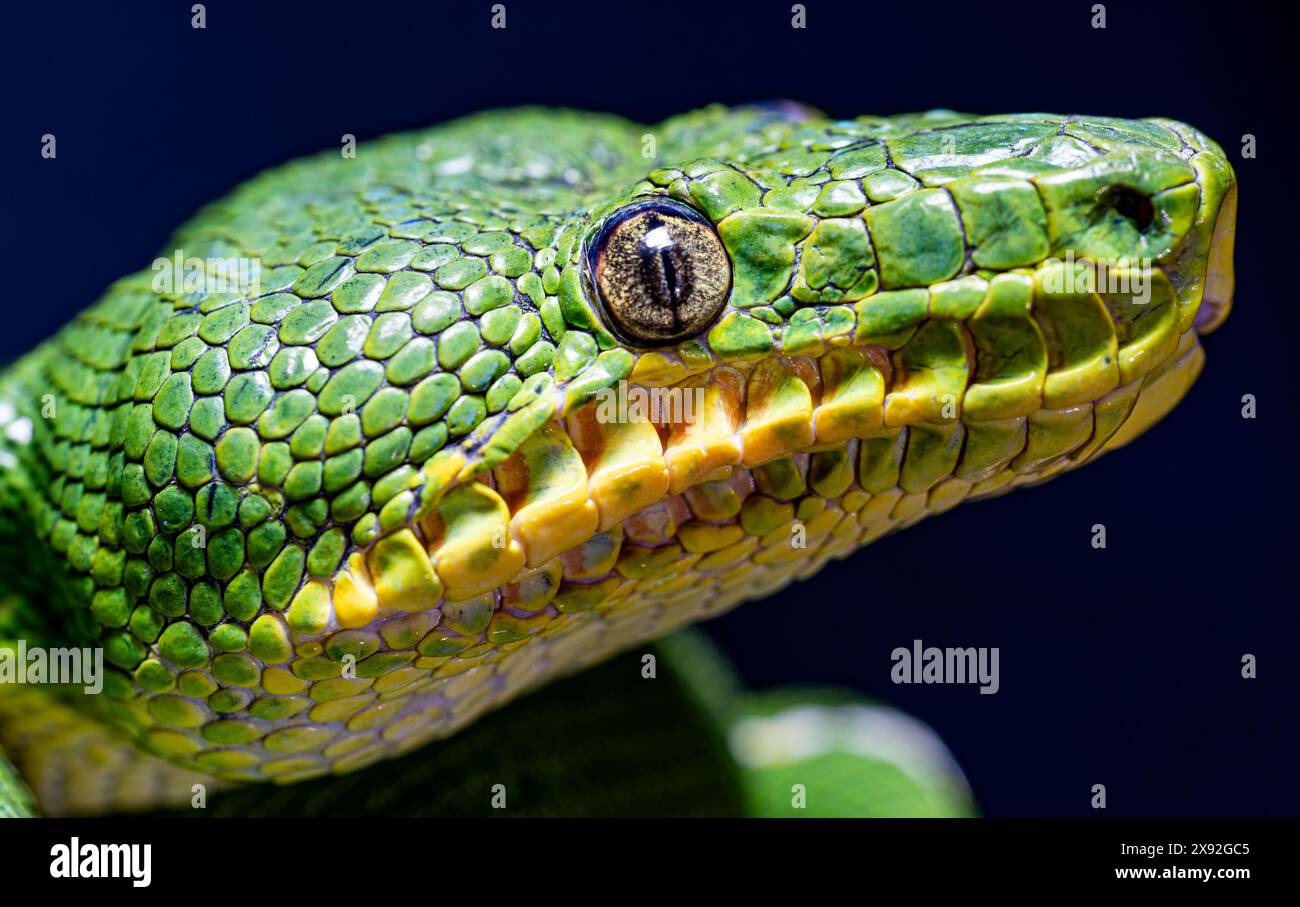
{"x": 397, "y": 433}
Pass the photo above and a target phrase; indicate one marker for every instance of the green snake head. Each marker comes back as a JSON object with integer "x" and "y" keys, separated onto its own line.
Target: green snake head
{"x": 426, "y": 426}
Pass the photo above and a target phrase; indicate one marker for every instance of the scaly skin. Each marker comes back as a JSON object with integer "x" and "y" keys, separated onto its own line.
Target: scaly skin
{"x": 326, "y": 521}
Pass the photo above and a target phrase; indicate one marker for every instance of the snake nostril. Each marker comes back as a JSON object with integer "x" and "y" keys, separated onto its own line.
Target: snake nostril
{"x": 1131, "y": 204}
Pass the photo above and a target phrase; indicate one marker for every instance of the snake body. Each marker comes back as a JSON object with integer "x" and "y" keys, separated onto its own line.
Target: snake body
{"x": 354, "y": 497}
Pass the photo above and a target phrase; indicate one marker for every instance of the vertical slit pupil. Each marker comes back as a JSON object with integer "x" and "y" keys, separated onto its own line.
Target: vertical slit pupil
{"x": 661, "y": 255}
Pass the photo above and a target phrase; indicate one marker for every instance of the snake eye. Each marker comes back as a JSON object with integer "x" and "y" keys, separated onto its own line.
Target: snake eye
{"x": 660, "y": 271}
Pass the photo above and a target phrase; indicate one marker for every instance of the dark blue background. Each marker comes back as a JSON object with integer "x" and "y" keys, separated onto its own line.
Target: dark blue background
{"x": 1118, "y": 667}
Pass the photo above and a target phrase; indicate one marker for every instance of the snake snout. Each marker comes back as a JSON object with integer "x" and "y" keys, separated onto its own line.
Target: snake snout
{"x": 1216, "y": 302}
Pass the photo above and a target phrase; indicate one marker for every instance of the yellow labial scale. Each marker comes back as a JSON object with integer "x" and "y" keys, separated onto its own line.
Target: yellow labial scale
{"x": 779, "y": 412}
{"x": 721, "y": 474}
{"x": 1059, "y": 465}
{"x": 831, "y": 472}
{"x": 783, "y": 479}
{"x": 545, "y": 485}
{"x": 993, "y": 484}
{"x": 1108, "y": 416}
{"x": 934, "y": 367}
{"x": 625, "y": 464}
{"x": 658, "y": 369}
{"x": 853, "y": 397}
{"x": 1004, "y": 387}
{"x": 1147, "y": 317}
{"x": 879, "y": 460}
{"x": 1080, "y": 338}
{"x": 932, "y": 453}
{"x": 355, "y": 601}
{"x": 1161, "y": 390}
{"x": 470, "y": 539}
{"x": 990, "y": 446}
{"x": 697, "y": 448}
{"x": 1052, "y": 434}
{"x": 403, "y": 577}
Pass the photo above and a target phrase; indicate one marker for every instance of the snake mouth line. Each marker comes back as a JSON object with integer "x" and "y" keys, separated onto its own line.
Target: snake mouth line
{"x": 865, "y": 420}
